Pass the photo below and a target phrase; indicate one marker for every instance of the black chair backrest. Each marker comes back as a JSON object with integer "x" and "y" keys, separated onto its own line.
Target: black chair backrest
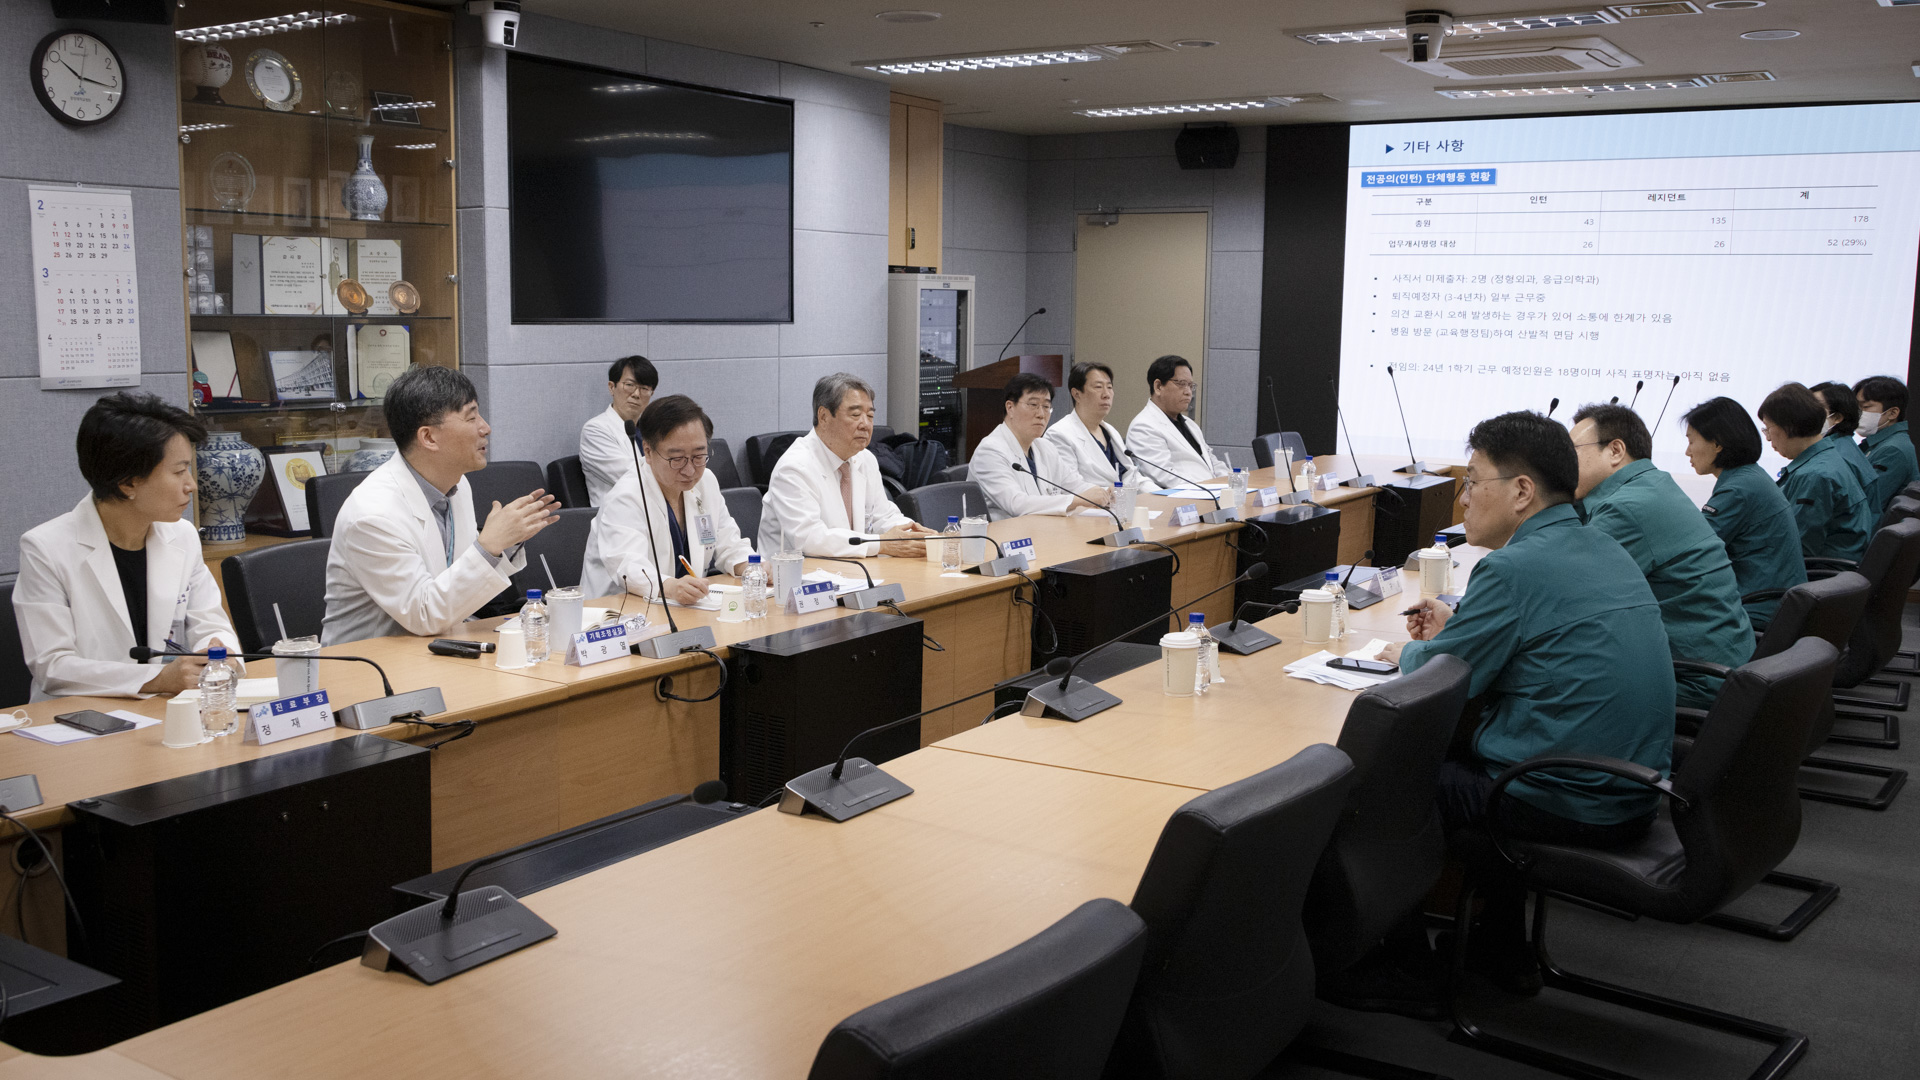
{"x": 1891, "y": 561}
{"x": 721, "y": 464}
{"x": 503, "y": 482}
{"x": 1046, "y": 1009}
{"x": 1388, "y": 849}
{"x": 294, "y": 575}
{"x": 1228, "y": 976}
{"x": 1911, "y": 491}
{"x": 1899, "y": 509}
{"x": 881, "y": 433}
{"x": 326, "y": 495}
{"x": 744, "y": 504}
{"x": 567, "y": 481}
{"x": 16, "y": 682}
{"x": 1827, "y": 608}
{"x": 1266, "y": 448}
{"x": 564, "y": 543}
{"x": 763, "y": 453}
{"x": 933, "y": 504}
{"x": 951, "y": 473}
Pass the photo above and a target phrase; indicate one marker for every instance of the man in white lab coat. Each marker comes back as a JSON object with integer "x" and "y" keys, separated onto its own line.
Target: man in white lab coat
{"x": 121, "y": 569}
{"x": 406, "y": 557}
{"x": 606, "y": 454}
{"x": 1020, "y": 470}
{"x": 1169, "y": 445}
{"x": 826, "y": 490}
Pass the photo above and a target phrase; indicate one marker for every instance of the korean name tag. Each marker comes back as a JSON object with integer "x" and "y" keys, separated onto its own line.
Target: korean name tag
{"x": 811, "y": 597}
{"x": 271, "y": 721}
{"x": 1388, "y": 580}
{"x": 1185, "y": 515}
{"x": 1022, "y": 548}
{"x": 590, "y": 647}
{"x": 1267, "y": 496}
{"x": 703, "y": 528}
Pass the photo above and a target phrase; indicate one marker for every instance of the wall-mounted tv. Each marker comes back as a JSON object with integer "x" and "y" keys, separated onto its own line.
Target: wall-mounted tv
{"x": 638, "y": 200}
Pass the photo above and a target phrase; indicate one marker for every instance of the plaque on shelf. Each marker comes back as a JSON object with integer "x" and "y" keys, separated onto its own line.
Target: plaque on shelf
{"x": 230, "y": 179}
{"x": 291, "y": 275}
{"x": 246, "y": 274}
{"x": 352, "y": 296}
{"x": 207, "y": 66}
{"x": 404, "y": 297}
{"x": 302, "y": 374}
{"x": 343, "y": 95}
{"x": 279, "y": 508}
{"x": 338, "y": 259}
{"x": 391, "y": 108}
{"x": 376, "y": 266}
{"x": 213, "y": 359}
{"x": 273, "y": 80}
{"x": 376, "y": 355}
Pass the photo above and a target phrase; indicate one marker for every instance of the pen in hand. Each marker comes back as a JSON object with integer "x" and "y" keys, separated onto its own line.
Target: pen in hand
{"x": 691, "y": 572}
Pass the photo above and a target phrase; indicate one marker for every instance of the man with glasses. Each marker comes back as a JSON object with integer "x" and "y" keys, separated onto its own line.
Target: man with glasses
{"x": 1684, "y": 560}
{"x": 669, "y": 521}
{"x": 1167, "y": 441}
{"x": 606, "y": 454}
{"x": 1043, "y": 470}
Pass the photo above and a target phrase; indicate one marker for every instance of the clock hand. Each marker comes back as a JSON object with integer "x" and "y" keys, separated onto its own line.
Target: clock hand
{"x": 69, "y": 67}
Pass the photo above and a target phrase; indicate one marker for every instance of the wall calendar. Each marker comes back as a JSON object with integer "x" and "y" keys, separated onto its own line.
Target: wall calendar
{"x": 84, "y": 287}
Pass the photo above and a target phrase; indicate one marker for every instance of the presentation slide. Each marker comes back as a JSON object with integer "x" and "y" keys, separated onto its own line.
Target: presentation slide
{"x": 1499, "y": 264}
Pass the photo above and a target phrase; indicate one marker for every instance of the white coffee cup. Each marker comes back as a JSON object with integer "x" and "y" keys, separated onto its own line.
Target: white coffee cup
{"x": 973, "y": 546}
{"x": 564, "y": 612}
{"x": 1435, "y": 570}
{"x": 1142, "y": 518}
{"x": 294, "y": 665}
{"x": 1317, "y": 606}
{"x": 1179, "y": 663}
{"x": 733, "y": 607}
{"x": 181, "y": 728}
{"x": 784, "y": 577}
{"x": 511, "y": 652}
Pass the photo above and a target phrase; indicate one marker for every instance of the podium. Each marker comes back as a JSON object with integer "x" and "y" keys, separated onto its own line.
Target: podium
{"x": 983, "y": 391}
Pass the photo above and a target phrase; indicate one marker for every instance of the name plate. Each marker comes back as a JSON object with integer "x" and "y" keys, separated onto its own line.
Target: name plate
{"x": 271, "y": 721}
{"x": 589, "y": 647}
{"x": 1326, "y": 483}
{"x": 1266, "y": 496}
{"x": 1388, "y": 580}
{"x": 1185, "y": 515}
{"x": 1019, "y": 549}
{"x": 817, "y": 596}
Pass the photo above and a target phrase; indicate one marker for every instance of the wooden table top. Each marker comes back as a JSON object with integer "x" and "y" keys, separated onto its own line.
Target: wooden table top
{"x": 725, "y": 955}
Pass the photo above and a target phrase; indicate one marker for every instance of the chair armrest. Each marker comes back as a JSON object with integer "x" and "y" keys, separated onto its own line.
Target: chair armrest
{"x": 1626, "y": 770}
{"x": 1704, "y": 667}
{"x": 1817, "y": 573}
{"x": 1827, "y": 562}
{"x": 1688, "y": 721}
{"x": 1763, "y": 594}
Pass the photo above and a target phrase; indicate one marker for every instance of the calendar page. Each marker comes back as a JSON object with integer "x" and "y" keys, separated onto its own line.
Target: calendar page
{"x": 84, "y": 287}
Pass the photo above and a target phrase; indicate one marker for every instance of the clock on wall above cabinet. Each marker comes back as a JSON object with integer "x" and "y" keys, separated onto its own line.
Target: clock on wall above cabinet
{"x": 78, "y": 78}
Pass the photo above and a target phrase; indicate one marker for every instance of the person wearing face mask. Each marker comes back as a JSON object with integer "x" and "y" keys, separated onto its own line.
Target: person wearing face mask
{"x": 1020, "y": 441}
{"x": 1843, "y": 418}
{"x": 121, "y": 568}
{"x": 1167, "y": 442}
{"x": 1828, "y": 502}
{"x": 1889, "y": 449}
{"x": 1747, "y": 509}
{"x": 1084, "y": 435}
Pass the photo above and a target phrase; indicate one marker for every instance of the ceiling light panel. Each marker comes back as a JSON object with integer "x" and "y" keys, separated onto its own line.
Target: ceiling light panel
{"x": 278, "y": 24}
{"x": 1174, "y": 108}
{"x": 929, "y": 65}
{"x": 1610, "y": 86}
{"x": 1479, "y": 24}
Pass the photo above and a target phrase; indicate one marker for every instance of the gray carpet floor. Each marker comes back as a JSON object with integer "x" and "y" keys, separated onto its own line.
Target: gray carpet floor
{"x": 1850, "y": 981}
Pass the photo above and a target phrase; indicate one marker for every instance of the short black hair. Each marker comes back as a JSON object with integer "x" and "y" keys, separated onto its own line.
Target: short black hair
{"x": 1529, "y": 444}
{"x": 1793, "y": 409}
{"x": 1884, "y": 390}
{"x": 1725, "y": 423}
{"x": 420, "y": 397}
{"x": 1025, "y": 383}
{"x": 123, "y": 437}
{"x": 1617, "y": 422}
{"x": 1162, "y": 370}
{"x": 1839, "y": 400}
{"x": 1077, "y": 378}
{"x": 665, "y": 415}
{"x": 642, "y": 369}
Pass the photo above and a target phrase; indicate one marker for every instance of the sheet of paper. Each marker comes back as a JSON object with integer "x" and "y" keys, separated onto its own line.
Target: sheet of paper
{"x": 841, "y": 583}
{"x": 709, "y": 602}
{"x": 291, "y": 275}
{"x": 376, "y": 266}
{"x": 381, "y": 352}
{"x": 1314, "y": 669}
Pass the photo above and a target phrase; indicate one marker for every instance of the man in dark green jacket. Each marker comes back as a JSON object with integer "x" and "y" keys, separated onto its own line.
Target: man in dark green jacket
{"x": 1889, "y": 449}
{"x": 1684, "y": 560}
{"x": 1827, "y": 500}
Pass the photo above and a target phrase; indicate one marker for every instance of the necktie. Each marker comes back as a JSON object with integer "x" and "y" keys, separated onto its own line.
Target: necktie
{"x": 846, "y": 492}
{"x": 1033, "y": 469}
{"x": 1180, "y": 421}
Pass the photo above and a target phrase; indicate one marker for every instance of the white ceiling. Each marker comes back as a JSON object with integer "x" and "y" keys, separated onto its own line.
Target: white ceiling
{"x": 1848, "y": 50}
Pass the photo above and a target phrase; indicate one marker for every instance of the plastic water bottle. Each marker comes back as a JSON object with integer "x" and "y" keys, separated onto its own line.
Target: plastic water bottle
{"x": 950, "y": 547}
{"x": 533, "y": 624}
{"x": 1123, "y": 499}
{"x": 753, "y": 588}
{"x": 1307, "y": 473}
{"x": 1238, "y": 484}
{"x": 1339, "y": 603}
{"x": 218, "y": 681}
{"x": 1206, "y": 666}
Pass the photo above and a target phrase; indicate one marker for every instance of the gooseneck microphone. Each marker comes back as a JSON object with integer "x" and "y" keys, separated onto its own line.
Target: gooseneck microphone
{"x": 414, "y": 705}
{"x": 1636, "y": 392}
{"x": 1215, "y": 516}
{"x": 144, "y": 654}
{"x": 1552, "y": 405}
{"x": 640, "y": 478}
{"x": 1669, "y": 401}
{"x": 1361, "y": 477}
{"x": 1076, "y": 699}
{"x": 1123, "y": 533}
{"x": 1414, "y": 465}
{"x": 1022, "y": 469}
{"x": 675, "y": 641}
{"x": 873, "y": 595}
{"x": 1273, "y": 403}
{"x": 1016, "y": 334}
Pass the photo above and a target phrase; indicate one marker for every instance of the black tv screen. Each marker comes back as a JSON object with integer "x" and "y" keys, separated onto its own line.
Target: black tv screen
{"x": 636, "y": 200}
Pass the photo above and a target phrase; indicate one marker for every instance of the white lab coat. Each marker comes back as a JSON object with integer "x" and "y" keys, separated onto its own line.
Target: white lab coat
{"x": 606, "y": 454}
{"x": 72, "y": 612}
{"x": 1010, "y": 493}
{"x": 387, "y": 571}
{"x": 1160, "y": 445}
{"x": 803, "y": 511}
{"x": 626, "y": 542}
{"x": 1073, "y": 439}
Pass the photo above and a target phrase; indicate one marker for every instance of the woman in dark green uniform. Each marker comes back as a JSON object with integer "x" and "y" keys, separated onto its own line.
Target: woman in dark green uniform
{"x": 1746, "y": 510}
{"x": 1821, "y": 488}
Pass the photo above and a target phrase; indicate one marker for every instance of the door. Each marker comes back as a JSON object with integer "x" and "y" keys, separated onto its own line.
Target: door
{"x": 1140, "y": 292}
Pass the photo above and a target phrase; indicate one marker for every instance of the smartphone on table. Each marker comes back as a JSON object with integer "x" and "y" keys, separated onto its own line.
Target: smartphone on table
{"x": 94, "y": 722}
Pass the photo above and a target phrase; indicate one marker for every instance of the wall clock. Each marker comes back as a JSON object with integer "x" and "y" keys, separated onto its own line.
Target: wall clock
{"x": 78, "y": 78}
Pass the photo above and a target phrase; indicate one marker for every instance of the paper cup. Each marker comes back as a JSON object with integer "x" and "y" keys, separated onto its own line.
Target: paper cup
{"x": 1317, "y": 606}
{"x": 1435, "y": 570}
{"x": 511, "y": 652}
{"x": 563, "y": 617}
{"x": 1179, "y": 663}
{"x": 1142, "y": 518}
{"x": 294, "y": 665}
{"x": 784, "y": 577}
{"x": 181, "y": 728}
{"x": 733, "y": 606}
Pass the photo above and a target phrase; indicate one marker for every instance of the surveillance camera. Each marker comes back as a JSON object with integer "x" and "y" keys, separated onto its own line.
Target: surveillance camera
{"x": 501, "y": 18}
{"x": 1425, "y": 31}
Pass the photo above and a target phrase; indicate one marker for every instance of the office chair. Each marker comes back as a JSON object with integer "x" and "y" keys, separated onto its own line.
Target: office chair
{"x": 721, "y": 464}
{"x": 325, "y": 496}
{"x": 293, "y": 575}
{"x": 1046, "y": 1009}
{"x": 951, "y": 473}
{"x": 1266, "y": 448}
{"x": 503, "y": 482}
{"x": 763, "y": 453}
{"x": 564, "y": 543}
{"x": 1891, "y": 561}
{"x": 16, "y": 681}
{"x": 745, "y": 503}
{"x": 933, "y": 504}
{"x": 567, "y": 481}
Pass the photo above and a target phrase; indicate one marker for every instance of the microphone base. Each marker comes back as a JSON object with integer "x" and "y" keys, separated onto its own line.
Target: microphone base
{"x": 1122, "y": 538}
{"x": 430, "y": 949}
{"x": 1243, "y": 640}
{"x": 668, "y": 646}
{"x": 1418, "y": 467}
{"x": 1078, "y": 701}
{"x": 1363, "y": 480}
{"x": 1000, "y": 567}
{"x": 862, "y": 786}
{"x": 1220, "y": 515}
{"x": 380, "y": 711}
{"x": 873, "y": 598}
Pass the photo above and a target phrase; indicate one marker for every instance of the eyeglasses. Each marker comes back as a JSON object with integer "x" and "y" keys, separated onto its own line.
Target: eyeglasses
{"x": 1467, "y": 485}
{"x": 1037, "y": 405}
{"x": 1184, "y": 384}
{"x": 628, "y": 386}
{"x": 680, "y": 461}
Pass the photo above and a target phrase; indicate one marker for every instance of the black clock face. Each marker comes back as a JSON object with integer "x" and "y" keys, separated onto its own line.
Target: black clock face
{"x": 78, "y": 77}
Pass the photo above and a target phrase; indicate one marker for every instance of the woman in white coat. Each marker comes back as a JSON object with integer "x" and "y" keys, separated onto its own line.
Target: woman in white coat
{"x": 121, "y": 568}
{"x": 1083, "y": 436}
{"x": 669, "y": 511}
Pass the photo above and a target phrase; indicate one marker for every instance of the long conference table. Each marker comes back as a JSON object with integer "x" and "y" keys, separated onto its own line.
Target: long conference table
{"x": 732, "y": 952}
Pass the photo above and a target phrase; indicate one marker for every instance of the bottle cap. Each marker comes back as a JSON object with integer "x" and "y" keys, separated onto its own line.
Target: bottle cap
{"x": 1119, "y": 483}
{"x": 753, "y": 560}
{"x": 216, "y": 652}
{"x": 1440, "y": 538}
{"x": 1194, "y": 618}
{"x": 953, "y": 519}
{"x": 1333, "y": 576}
{"x": 533, "y": 594}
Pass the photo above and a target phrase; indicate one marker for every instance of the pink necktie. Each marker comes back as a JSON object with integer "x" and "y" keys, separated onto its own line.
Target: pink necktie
{"x": 846, "y": 491}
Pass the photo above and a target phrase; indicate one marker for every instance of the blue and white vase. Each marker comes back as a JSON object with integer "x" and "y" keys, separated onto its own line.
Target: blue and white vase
{"x": 230, "y": 472}
{"x": 362, "y": 194}
{"x": 372, "y": 454}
